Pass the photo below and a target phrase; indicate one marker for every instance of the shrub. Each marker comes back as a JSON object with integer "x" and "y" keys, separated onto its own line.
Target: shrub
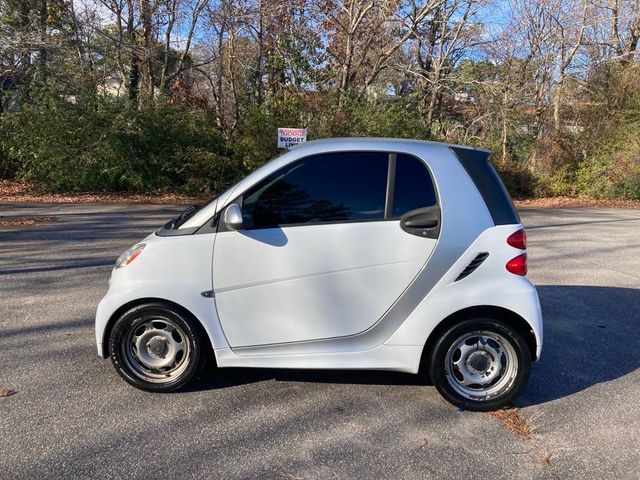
{"x": 106, "y": 145}
{"x": 614, "y": 171}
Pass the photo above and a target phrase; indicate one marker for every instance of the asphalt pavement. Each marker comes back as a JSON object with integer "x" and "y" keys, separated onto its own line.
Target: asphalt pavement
{"x": 73, "y": 417}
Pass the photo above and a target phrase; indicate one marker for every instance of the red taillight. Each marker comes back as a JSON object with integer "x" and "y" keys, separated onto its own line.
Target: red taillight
{"x": 518, "y": 240}
{"x": 518, "y": 265}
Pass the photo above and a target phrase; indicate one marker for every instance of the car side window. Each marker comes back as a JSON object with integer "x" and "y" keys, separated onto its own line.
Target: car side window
{"x": 413, "y": 188}
{"x": 326, "y": 188}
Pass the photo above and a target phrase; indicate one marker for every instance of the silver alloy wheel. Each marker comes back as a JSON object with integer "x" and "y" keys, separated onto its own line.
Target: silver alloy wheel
{"x": 156, "y": 349}
{"x": 481, "y": 365}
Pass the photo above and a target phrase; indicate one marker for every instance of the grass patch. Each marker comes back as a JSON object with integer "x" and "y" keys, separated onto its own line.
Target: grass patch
{"x": 510, "y": 418}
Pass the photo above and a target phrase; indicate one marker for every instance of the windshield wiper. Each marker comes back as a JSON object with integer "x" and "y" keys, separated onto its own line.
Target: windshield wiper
{"x": 183, "y": 217}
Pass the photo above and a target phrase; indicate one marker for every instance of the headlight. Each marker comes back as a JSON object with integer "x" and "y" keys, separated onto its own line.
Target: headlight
{"x": 129, "y": 255}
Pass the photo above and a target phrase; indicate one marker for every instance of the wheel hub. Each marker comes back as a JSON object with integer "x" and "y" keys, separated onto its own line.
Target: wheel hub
{"x": 479, "y": 362}
{"x": 158, "y": 347}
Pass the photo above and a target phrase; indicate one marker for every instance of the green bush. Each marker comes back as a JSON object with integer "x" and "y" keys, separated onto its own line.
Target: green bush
{"x": 107, "y": 145}
{"x": 613, "y": 170}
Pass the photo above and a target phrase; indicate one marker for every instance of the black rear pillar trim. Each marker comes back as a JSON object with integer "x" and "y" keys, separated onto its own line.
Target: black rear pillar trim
{"x": 489, "y": 184}
{"x": 391, "y": 181}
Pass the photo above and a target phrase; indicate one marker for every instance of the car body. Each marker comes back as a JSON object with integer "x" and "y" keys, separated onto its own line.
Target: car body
{"x": 355, "y": 253}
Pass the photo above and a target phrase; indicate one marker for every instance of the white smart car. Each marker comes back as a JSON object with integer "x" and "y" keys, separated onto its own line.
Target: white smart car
{"x": 361, "y": 253}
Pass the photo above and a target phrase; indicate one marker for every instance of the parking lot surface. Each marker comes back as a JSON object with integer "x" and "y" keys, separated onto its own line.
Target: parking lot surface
{"x": 73, "y": 417}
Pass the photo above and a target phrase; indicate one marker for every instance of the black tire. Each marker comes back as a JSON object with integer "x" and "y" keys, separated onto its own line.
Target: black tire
{"x": 180, "y": 333}
{"x": 447, "y": 377}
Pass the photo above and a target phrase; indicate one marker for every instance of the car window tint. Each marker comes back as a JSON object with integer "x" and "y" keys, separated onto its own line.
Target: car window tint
{"x": 332, "y": 187}
{"x": 413, "y": 188}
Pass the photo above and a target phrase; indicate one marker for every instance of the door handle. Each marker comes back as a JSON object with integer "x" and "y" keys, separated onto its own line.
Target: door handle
{"x": 423, "y": 222}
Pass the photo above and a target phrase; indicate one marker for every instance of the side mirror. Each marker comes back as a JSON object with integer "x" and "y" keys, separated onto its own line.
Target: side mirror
{"x": 233, "y": 217}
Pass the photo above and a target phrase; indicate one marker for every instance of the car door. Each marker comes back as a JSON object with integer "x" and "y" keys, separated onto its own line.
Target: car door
{"x": 324, "y": 252}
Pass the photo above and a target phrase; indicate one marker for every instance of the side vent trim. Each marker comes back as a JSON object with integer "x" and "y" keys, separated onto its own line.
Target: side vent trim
{"x": 475, "y": 263}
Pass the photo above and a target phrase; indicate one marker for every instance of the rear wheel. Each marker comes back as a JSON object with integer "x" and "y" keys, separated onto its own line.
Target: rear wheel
{"x": 480, "y": 364}
{"x": 156, "y": 347}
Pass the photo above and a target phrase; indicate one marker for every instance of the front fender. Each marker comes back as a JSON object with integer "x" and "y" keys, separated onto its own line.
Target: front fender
{"x": 175, "y": 269}
{"x": 202, "y": 308}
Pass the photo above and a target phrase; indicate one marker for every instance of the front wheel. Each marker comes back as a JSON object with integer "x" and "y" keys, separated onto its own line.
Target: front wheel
{"x": 156, "y": 347}
{"x": 480, "y": 364}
